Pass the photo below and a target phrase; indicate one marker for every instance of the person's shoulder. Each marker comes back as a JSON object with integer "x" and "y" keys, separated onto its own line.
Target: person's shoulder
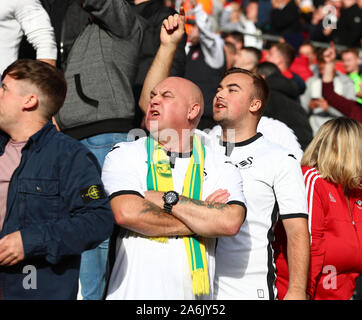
{"x": 312, "y": 176}
{"x": 313, "y": 180}
{"x": 129, "y": 148}
{"x": 270, "y": 146}
{"x": 64, "y": 143}
{"x": 275, "y": 154}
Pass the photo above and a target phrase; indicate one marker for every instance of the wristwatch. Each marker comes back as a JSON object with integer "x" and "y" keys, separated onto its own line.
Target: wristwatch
{"x": 170, "y": 198}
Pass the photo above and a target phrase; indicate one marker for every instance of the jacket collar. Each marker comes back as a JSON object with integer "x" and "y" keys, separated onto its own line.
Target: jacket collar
{"x": 38, "y": 139}
{"x": 42, "y": 136}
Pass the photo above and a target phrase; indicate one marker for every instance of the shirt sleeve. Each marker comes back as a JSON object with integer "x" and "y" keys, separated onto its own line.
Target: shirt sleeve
{"x": 232, "y": 181}
{"x": 120, "y": 173}
{"x": 212, "y": 45}
{"x": 36, "y": 25}
{"x": 289, "y": 188}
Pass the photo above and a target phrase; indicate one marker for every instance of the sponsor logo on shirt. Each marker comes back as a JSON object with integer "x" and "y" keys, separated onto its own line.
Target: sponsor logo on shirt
{"x": 205, "y": 175}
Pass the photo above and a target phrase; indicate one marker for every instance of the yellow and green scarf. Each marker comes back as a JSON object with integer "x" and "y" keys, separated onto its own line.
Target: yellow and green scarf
{"x": 159, "y": 178}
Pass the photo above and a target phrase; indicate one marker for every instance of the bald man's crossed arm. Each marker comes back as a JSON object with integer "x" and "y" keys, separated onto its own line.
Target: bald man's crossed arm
{"x": 209, "y": 218}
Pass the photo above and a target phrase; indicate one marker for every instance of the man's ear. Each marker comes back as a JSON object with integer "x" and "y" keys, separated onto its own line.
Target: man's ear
{"x": 194, "y": 111}
{"x": 30, "y": 102}
{"x": 255, "y": 105}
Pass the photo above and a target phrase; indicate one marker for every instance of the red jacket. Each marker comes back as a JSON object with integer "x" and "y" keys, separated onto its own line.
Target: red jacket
{"x": 336, "y": 241}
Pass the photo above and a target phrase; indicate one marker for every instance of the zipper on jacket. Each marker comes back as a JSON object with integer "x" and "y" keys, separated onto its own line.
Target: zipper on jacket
{"x": 350, "y": 212}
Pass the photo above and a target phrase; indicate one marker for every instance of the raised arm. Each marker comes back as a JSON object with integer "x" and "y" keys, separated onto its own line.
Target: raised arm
{"x": 172, "y": 31}
{"x": 348, "y": 107}
{"x": 212, "y": 45}
{"x": 36, "y": 25}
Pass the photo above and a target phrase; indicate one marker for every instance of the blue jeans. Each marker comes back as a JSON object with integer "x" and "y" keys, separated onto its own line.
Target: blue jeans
{"x": 93, "y": 263}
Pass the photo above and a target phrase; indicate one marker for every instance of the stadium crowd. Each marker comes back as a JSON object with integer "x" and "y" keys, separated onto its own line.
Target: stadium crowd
{"x": 264, "y": 190}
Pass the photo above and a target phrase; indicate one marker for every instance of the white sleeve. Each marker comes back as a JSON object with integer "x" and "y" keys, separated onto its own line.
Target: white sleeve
{"x": 120, "y": 173}
{"x": 231, "y": 180}
{"x": 212, "y": 45}
{"x": 36, "y": 25}
{"x": 289, "y": 188}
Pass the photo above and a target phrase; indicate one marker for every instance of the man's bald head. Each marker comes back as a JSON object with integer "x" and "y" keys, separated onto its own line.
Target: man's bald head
{"x": 190, "y": 91}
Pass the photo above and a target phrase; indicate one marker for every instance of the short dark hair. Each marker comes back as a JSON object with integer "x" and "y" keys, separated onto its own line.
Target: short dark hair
{"x": 261, "y": 88}
{"x": 308, "y": 43}
{"x": 230, "y": 47}
{"x": 48, "y": 79}
{"x": 351, "y": 50}
{"x": 254, "y": 51}
{"x": 287, "y": 51}
{"x": 320, "y": 55}
{"x": 236, "y": 35}
{"x": 267, "y": 69}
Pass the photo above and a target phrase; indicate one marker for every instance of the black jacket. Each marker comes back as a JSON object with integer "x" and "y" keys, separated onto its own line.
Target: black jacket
{"x": 283, "y": 106}
{"x": 349, "y": 27}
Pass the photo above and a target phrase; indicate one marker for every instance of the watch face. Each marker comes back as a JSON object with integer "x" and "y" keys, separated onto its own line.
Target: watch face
{"x": 171, "y": 197}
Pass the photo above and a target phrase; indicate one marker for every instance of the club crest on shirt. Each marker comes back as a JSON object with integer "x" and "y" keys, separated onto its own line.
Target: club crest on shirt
{"x": 245, "y": 164}
{"x": 359, "y": 203}
{"x": 331, "y": 198}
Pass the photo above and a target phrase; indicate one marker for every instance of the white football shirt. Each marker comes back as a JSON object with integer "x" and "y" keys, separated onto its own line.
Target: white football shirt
{"x": 146, "y": 269}
{"x": 273, "y": 185}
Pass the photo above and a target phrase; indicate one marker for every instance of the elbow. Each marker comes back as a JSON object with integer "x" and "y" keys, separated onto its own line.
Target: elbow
{"x": 232, "y": 228}
{"x": 235, "y": 221}
{"x": 121, "y": 217}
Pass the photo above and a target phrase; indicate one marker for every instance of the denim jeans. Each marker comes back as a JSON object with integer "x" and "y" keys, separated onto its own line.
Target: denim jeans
{"x": 93, "y": 263}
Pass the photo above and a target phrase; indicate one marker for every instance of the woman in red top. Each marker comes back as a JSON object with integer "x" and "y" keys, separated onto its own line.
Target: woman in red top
{"x": 332, "y": 170}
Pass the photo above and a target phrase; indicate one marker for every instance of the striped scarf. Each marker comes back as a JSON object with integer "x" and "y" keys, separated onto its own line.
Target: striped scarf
{"x": 159, "y": 178}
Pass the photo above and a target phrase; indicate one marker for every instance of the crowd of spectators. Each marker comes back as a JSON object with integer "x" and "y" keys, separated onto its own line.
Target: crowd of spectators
{"x": 105, "y": 55}
{"x": 221, "y": 34}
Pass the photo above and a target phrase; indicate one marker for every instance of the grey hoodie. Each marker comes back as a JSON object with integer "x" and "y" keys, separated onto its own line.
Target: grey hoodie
{"x": 100, "y": 71}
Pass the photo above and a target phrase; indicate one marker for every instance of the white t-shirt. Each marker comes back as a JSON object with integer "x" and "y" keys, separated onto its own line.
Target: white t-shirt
{"x": 273, "y": 185}
{"x": 146, "y": 269}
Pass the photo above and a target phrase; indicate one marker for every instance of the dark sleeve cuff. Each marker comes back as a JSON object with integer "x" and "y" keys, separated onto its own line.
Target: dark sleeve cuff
{"x": 293, "y": 215}
{"x": 124, "y": 192}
